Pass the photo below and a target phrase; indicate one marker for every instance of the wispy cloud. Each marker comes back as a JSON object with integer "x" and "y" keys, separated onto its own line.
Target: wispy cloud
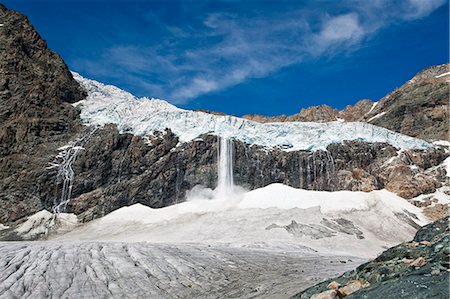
{"x": 337, "y": 30}
{"x": 416, "y": 9}
{"x": 226, "y": 49}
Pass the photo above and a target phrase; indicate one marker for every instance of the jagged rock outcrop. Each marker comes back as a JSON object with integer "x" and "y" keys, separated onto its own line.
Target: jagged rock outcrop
{"x": 323, "y": 113}
{"x": 419, "y": 108}
{"x": 357, "y": 111}
{"x": 210, "y": 112}
{"x": 416, "y": 269}
{"x": 265, "y": 119}
{"x": 36, "y": 117}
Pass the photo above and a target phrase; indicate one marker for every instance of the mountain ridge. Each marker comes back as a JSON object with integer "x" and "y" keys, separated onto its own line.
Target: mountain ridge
{"x": 321, "y": 113}
{"x": 427, "y": 89}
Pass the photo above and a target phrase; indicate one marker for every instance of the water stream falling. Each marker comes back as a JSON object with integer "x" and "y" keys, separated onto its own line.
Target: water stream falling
{"x": 65, "y": 176}
{"x": 225, "y": 168}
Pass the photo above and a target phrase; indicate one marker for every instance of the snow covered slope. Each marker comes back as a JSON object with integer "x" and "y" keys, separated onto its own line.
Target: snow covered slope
{"x": 277, "y": 216}
{"x": 142, "y": 116}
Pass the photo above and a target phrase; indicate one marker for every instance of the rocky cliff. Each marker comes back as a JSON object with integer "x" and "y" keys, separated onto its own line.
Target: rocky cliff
{"x": 36, "y": 117}
{"x": 419, "y": 108}
{"x": 115, "y": 170}
{"x": 50, "y": 160}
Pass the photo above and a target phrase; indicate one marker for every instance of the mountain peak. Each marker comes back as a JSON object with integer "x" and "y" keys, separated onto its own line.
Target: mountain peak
{"x": 418, "y": 108}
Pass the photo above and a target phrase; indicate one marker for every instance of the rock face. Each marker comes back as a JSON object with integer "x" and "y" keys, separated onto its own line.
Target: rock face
{"x": 115, "y": 169}
{"x": 36, "y": 90}
{"x": 416, "y": 269}
{"x": 323, "y": 113}
{"x": 419, "y": 108}
{"x": 265, "y": 119}
{"x": 357, "y": 111}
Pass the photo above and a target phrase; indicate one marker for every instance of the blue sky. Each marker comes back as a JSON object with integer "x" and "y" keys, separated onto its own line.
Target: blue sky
{"x": 239, "y": 57}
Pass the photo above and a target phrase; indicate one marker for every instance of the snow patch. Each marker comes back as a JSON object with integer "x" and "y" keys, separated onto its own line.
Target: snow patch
{"x": 285, "y": 197}
{"x": 36, "y": 224}
{"x": 272, "y": 196}
{"x": 142, "y": 116}
{"x": 442, "y": 143}
{"x": 271, "y": 216}
{"x": 440, "y": 195}
{"x": 442, "y": 75}
{"x": 373, "y": 107}
{"x": 43, "y": 221}
{"x": 447, "y": 166}
{"x": 377, "y": 116}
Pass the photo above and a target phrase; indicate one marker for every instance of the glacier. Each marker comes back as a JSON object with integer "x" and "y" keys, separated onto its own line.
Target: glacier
{"x": 267, "y": 243}
{"x": 143, "y": 270}
{"x": 143, "y": 116}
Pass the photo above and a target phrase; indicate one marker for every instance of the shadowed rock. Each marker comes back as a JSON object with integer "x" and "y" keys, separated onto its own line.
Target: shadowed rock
{"x": 417, "y": 269}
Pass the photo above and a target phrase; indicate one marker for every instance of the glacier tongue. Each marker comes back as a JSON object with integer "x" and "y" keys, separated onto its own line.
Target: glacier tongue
{"x": 142, "y": 116}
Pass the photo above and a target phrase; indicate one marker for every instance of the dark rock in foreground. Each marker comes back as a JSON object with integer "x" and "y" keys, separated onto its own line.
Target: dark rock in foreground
{"x": 416, "y": 269}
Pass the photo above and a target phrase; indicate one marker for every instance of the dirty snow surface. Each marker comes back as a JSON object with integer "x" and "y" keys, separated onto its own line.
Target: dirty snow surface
{"x": 143, "y": 270}
{"x": 142, "y": 116}
{"x": 266, "y": 243}
{"x": 276, "y": 216}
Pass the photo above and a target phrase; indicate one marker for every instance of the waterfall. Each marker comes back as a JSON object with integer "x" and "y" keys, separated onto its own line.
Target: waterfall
{"x": 178, "y": 178}
{"x": 316, "y": 171}
{"x": 331, "y": 171}
{"x": 65, "y": 176}
{"x": 225, "y": 168}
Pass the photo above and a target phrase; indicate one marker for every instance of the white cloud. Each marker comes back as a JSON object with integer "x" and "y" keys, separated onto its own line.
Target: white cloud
{"x": 341, "y": 28}
{"x": 230, "y": 49}
{"x": 196, "y": 87}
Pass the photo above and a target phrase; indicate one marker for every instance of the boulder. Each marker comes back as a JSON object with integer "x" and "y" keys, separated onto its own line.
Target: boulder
{"x": 351, "y": 287}
{"x": 333, "y": 285}
{"x": 330, "y": 294}
{"x": 419, "y": 262}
